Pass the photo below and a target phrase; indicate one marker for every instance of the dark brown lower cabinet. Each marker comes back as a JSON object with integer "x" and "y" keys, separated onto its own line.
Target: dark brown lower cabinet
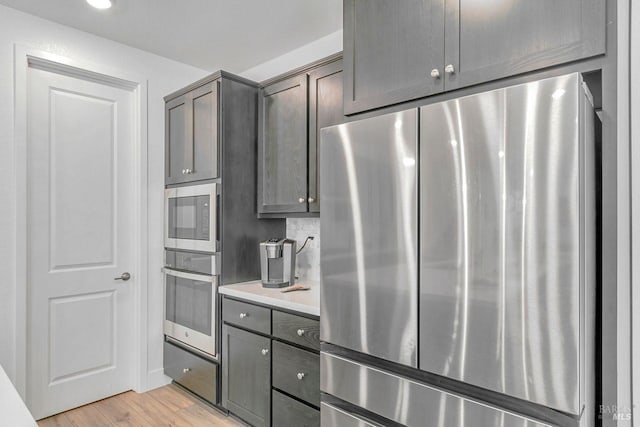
{"x": 246, "y": 376}
{"x": 271, "y": 368}
{"x": 289, "y": 412}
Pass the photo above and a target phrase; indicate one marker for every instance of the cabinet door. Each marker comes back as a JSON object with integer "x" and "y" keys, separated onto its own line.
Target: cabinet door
{"x": 282, "y": 158}
{"x": 390, "y": 50}
{"x": 246, "y": 375}
{"x": 490, "y": 40}
{"x": 178, "y": 135}
{"x": 325, "y": 109}
{"x": 204, "y": 106}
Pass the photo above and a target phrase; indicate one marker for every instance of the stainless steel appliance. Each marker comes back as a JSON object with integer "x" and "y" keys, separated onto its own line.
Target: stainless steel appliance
{"x": 191, "y": 299}
{"x": 191, "y": 217}
{"x": 458, "y": 278}
{"x": 278, "y": 262}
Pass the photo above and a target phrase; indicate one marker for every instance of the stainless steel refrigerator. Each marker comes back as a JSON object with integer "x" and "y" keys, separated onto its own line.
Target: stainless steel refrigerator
{"x": 458, "y": 262}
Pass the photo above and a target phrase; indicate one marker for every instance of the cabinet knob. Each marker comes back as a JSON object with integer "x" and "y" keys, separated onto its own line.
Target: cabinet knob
{"x": 449, "y": 69}
{"x": 184, "y": 171}
{"x": 300, "y": 332}
{"x": 311, "y": 200}
{"x": 265, "y": 351}
{"x": 185, "y": 370}
{"x": 435, "y": 73}
{"x": 300, "y": 375}
{"x": 301, "y": 200}
{"x": 188, "y": 171}
{"x": 243, "y": 315}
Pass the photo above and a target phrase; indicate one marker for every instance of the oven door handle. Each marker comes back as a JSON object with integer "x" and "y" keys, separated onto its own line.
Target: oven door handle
{"x": 189, "y": 276}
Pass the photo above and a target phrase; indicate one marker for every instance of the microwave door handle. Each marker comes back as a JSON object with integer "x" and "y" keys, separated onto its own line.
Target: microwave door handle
{"x": 188, "y": 276}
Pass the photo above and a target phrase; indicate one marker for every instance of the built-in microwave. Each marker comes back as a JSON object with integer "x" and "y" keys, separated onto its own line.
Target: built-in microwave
{"x": 191, "y": 299}
{"x": 191, "y": 217}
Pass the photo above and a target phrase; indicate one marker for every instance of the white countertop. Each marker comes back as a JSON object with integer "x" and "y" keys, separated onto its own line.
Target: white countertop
{"x": 307, "y": 302}
{"x": 13, "y": 411}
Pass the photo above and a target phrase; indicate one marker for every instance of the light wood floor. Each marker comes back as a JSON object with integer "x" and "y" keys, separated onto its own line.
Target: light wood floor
{"x": 165, "y": 406}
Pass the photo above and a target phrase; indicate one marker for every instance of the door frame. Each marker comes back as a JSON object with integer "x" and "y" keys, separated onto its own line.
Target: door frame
{"x": 25, "y": 58}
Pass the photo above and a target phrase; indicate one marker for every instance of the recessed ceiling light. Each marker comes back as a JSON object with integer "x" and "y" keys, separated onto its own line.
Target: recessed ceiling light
{"x": 100, "y": 4}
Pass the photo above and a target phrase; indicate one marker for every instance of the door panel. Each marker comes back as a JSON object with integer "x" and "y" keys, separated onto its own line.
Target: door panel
{"x": 204, "y": 164}
{"x": 390, "y": 50}
{"x": 76, "y": 242}
{"x": 500, "y": 277}
{"x": 490, "y": 40}
{"x": 80, "y": 223}
{"x": 325, "y": 109}
{"x": 369, "y": 256}
{"x": 246, "y": 388}
{"x": 97, "y": 344}
{"x": 282, "y": 152}
{"x": 178, "y": 149}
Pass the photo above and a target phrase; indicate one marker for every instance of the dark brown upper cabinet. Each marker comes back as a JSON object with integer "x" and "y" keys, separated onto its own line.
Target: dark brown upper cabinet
{"x": 293, "y": 109}
{"x": 399, "y": 51}
{"x": 391, "y": 49}
{"x": 325, "y": 109}
{"x": 191, "y": 122}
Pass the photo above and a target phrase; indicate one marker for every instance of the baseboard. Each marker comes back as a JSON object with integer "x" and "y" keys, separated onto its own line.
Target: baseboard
{"x": 155, "y": 379}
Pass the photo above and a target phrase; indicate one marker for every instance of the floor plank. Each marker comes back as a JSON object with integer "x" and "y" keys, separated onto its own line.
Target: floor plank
{"x": 168, "y": 406}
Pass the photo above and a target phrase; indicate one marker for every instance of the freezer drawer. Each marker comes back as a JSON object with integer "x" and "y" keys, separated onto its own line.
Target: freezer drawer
{"x": 408, "y": 402}
{"x": 191, "y": 371}
{"x": 336, "y": 417}
{"x": 369, "y": 233}
{"x": 507, "y": 225}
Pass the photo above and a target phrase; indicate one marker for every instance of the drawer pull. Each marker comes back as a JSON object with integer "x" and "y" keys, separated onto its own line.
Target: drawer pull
{"x": 265, "y": 351}
{"x": 300, "y": 332}
{"x": 185, "y": 370}
{"x": 300, "y": 375}
{"x": 243, "y": 315}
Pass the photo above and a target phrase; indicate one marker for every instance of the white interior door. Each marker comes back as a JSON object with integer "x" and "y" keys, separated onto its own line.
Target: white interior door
{"x": 80, "y": 228}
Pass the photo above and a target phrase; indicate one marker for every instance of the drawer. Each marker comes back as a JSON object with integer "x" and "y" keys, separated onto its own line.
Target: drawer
{"x": 296, "y": 372}
{"x": 190, "y": 371}
{"x": 296, "y": 329}
{"x": 287, "y": 412}
{"x": 427, "y": 405}
{"x": 247, "y": 315}
{"x": 336, "y": 417}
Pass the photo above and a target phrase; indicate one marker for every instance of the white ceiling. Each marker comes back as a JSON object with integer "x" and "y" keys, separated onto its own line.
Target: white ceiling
{"x": 209, "y": 34}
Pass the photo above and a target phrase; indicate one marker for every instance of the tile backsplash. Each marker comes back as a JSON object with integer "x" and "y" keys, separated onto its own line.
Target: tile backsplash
{"x": 307, "y": 261}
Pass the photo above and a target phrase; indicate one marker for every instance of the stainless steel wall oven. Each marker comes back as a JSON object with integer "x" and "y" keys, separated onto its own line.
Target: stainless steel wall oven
{"x": 191, "y": 299}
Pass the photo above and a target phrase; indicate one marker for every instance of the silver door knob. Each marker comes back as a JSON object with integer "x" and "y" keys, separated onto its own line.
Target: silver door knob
{"x": 300, "y": 375}
{"x": 265, "y": 351}
{"x": 435, "y": 73}
{"x": 449, "y": 69}
{"x": 185, "y": 370}
{"x": 301, "y": 200}
{"x": 124, "y": 276}
{"x": 300, "y": 332}
{"x": 243, "y": 315}
{"x": 311, "y": 200}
